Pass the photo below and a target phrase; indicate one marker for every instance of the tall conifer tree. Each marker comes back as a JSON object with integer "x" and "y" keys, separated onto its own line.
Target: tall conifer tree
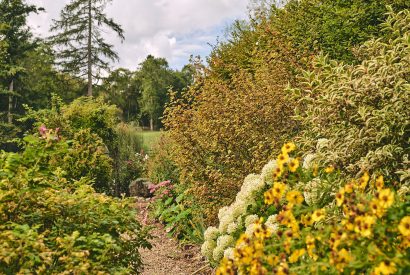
{"x": 81, "y": 49}
{"x": 16, "y": 40}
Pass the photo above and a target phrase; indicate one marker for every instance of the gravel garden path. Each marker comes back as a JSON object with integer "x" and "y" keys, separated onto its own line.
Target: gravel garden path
{"x": 167, "y": 256}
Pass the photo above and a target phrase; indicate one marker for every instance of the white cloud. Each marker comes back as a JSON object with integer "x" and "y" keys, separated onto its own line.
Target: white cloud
{"x": 173, "y": 29}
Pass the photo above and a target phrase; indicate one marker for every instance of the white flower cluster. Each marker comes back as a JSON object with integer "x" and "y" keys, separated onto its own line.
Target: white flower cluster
{"x": 312, "y": 191}
{"x": 271, "y": 224}
{"x": 218, "y": 241}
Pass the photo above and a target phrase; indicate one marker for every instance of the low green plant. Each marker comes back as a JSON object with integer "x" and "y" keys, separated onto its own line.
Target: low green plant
{"x": 180, "y": 218}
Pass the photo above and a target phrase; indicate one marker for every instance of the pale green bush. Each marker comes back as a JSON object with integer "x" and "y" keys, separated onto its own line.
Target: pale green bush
{"x": 362, "y": 111}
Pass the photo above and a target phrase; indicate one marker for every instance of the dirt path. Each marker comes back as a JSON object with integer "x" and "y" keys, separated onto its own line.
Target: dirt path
{"x": 167, "y": 257}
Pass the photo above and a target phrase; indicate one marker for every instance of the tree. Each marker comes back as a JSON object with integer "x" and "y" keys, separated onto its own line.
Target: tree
{"x": 82, "y": 50}
{"x": 156, "y": 78}
{"x": 16, "y": 40}
{"x": 122, "y": 88}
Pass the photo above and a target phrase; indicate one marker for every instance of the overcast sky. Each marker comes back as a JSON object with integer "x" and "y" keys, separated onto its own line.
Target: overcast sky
{"x": 173, "y": 29}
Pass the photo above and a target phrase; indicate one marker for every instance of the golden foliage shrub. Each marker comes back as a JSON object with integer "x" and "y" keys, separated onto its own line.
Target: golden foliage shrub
{"x": 228, "y": 124}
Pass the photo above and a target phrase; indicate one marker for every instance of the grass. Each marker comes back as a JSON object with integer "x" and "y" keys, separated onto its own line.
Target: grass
{"x": 149, "y": 138}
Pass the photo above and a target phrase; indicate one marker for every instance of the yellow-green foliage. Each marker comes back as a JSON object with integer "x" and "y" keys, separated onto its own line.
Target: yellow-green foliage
{"x": 88, "y": 157}
{"x": 283, "y": 226}
{"x": 51, "y": 223}
{"x": 362, "y": 110}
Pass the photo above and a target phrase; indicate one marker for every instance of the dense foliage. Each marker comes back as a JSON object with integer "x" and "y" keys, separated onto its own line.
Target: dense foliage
{"x": 238, "y": 111}
{"x": 53, "y": 221}
{"x": 362, "y": 110}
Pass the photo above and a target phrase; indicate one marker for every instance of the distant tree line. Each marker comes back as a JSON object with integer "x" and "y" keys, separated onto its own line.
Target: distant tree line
{"x": 74, "y": 61}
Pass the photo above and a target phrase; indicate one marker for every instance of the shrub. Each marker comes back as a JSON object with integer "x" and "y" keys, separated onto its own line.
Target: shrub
{"x": 112, "y": 148}
{"x": 228, "y": 124}
{"x": 87, "y": 156}
{"x": 362, "y": 110}
{"x": 160, "y": 165}
{"x": 129, "y": 161}
{"x": 273, "y": 226}
{"x": 52, "y": 223}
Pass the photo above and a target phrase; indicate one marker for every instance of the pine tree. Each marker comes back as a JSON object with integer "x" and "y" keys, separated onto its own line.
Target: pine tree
{"x": 81, "y": 49}
{"x": 16, "y": 41}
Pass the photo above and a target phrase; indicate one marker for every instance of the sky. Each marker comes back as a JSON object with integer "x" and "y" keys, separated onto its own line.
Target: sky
{"x": 173, "y": 29}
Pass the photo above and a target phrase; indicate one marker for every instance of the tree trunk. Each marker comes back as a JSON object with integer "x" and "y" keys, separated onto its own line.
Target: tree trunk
{"x": 90, "y": 78}
{"x": 9, "y": 115}
{"x": 151, "y": 124}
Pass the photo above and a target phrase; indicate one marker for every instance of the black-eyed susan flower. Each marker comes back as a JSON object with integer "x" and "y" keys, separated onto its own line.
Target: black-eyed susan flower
{"x": 379, "y": 183}
{"x": 278, "y": 171}
{"x": 364, "y": 180}
{"x": 329, "y": 169}
{"x": 386, "y": 267}
{"x": 404, "y": 226}
{"x": 386, "y": 198}
{"x": 340, "y": 259}
{"x": 310, "y": 245}
{"x": 318, "y": 215}
{"x": 294, "y": 197}
{"x": 288, "y": 147}
{"x": 282, "y": 158}
{"x": 293, "y": 165}
{"x": 340, "y": 197}
{"x": 349, "y": 187}
{"x": 376, "y": 208}
{"x": 278, "y": 189}
{"x": 269, "y": 197}
{"x": 283, "y": 269}
{"x": 307, "y": 220}
{"x": 364, "y": 225}
{"x": 296, "y": 255}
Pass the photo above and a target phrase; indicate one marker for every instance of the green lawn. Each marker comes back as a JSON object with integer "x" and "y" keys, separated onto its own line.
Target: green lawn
{"x": 149, "y": 138}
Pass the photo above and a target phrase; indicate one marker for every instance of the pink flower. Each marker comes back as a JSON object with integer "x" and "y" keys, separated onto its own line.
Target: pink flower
{"x": 42, "y": 130}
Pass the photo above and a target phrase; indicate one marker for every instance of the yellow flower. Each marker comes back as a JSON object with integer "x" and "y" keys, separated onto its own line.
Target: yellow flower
{"x": 364, "y": 180}
{"x": 278, "y": 171}
{"x": 329, "y": 169}
{"x": 379, "y": 184}
{"x": 225, "y": 268}
{"x": 349, "y": 188}
{"x": 404, "y": 226}
{"x": 386, "y": 198}
{"x": 296, "y": 255}
{"x": 307, "y": 220}
{"x": 294, "y": 197}
{"x": 376, "y": 208}
{"x": 288, "y": 147}
{"x": 269, "y": 197}
{"x": 318, "y": 215}
{"x": 282, "y": 158}
{"x": 293, "y": 165}
{"x": 340, "y": 197}
{"x": 272, "y": 260}
{"x": 243, "y": 239}
{"x": 386, "y": 267}
{"x": 310, "y": 245}
{"x": 340, "y": 259}
{"x": 278, "y": 189}
{"x": 283, "y": 269}
{"x": 364, "y": 225}
{"x": 285, "y": 217}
